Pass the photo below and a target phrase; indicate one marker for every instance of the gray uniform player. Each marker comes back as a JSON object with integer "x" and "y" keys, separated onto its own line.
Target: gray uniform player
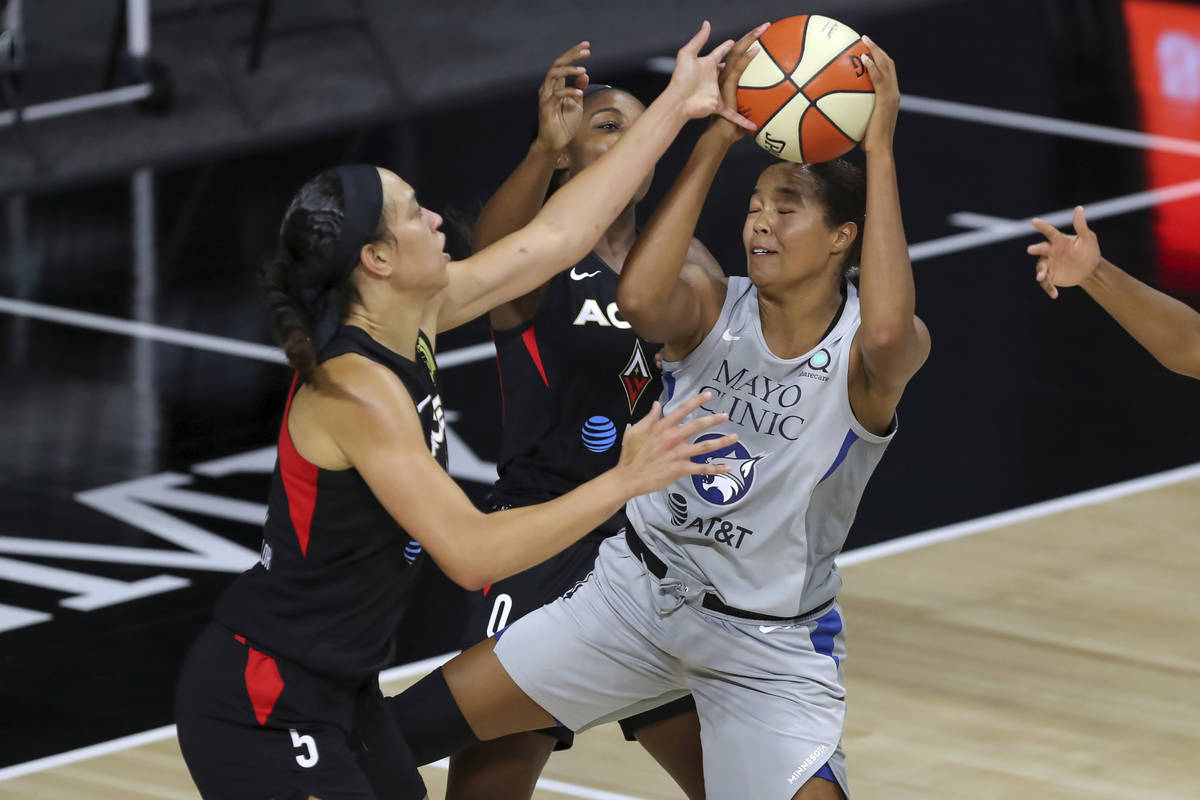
{"x": 726, "y": 586}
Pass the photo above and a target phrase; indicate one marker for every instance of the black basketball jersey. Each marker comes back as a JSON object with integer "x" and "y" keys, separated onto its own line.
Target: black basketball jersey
{"x": 570, "y": 380}
{"x": 336, "y": 569}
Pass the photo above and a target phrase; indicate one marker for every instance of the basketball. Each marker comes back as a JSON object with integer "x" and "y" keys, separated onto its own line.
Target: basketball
{"x": 807, "y": 89}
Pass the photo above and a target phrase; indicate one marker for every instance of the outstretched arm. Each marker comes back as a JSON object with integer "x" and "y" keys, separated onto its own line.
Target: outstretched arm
{"x": 666, "y": 298}
{"x": 371, "y": 420}
{"x": 1166, "y": 327}
{"x": 575, "y": 216}
{"x": 891, "y": 343}
{"x": 560, "y": 110}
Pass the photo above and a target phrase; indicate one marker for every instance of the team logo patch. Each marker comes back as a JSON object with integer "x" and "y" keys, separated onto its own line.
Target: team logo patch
{"x": 599, "y": 434}
{"x": 678, "y": 505}
{"x": 636, "y": 375}
{"x": 731, "y": 486}
{"x": 425, "y": 356}
{"x": 819, "y": 361}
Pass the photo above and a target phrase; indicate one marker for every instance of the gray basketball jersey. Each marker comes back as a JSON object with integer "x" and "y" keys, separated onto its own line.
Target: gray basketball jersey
{"x": 764, "y": 536}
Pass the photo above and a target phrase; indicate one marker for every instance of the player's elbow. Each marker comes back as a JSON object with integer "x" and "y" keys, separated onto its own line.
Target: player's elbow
{"x": 466, "y": 571}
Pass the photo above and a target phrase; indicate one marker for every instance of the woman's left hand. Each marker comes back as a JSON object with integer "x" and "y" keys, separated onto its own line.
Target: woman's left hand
{"x": 882, "y": 125}
{"x": 694, "y": 80}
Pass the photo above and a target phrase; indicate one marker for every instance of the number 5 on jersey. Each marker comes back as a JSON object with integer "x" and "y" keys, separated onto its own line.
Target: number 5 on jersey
{"x": 309, "y": 758}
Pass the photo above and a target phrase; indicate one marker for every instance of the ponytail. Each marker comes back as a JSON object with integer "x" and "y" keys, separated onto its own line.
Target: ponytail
{"x": 307, "y": 284}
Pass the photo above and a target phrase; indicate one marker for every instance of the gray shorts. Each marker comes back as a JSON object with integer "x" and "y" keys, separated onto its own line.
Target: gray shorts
{"x": 770, "y": 696}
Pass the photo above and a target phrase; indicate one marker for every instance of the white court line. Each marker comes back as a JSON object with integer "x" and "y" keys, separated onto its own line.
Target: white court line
{"x": 999, "y": 118}
{"x": 1000, "y": 231}
{"x": 1022, "y": 514}
{"x": 1016, "y": 229}
{"x": 849, "y": 558}
{"x": 200, "y": 341}
{"x": 969, "y": 219}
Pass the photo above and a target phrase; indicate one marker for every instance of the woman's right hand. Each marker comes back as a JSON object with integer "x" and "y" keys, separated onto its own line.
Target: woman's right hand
{"x": 658, "y": 451}
{"x": 731, "y": 72}
{"x": 694, "y": 80}
{"x": 1063, "y": 259}
{"x": 560, "y": 107}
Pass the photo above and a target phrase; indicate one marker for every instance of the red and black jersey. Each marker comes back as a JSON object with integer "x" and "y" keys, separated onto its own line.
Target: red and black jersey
{"x": 571, "y": 379}
{"x": 336, "y": 569}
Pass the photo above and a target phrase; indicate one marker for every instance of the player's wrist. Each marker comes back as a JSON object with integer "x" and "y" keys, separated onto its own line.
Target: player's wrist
{"x": 543, "y": 150}
{"x": 1099, "y": 277}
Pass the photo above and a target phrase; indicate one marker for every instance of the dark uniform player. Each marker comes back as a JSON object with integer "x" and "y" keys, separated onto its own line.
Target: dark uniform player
{"x": 280, "y": 695}
{"x": 293, "y": 655}
{"x": 573, "y": 374}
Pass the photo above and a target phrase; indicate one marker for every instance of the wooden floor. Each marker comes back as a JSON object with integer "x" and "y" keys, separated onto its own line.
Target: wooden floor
{"x": 1056, "y": 658}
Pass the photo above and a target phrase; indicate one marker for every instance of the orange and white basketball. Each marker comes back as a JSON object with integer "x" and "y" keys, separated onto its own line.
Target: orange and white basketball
{"x": 807, "y": 89}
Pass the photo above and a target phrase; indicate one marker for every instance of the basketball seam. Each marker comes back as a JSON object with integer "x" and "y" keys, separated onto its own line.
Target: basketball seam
{"x": 820, "y": 69}
{"x": 813, "y": 106}
{"x": 775, "y": 113}
{"x": 786, "y": 75}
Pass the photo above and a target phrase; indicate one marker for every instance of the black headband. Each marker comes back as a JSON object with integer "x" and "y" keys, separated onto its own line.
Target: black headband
{"x": 362, "y": 206}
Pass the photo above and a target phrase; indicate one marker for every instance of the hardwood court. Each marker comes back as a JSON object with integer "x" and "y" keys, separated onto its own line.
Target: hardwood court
{"x": 1054, "y": 658}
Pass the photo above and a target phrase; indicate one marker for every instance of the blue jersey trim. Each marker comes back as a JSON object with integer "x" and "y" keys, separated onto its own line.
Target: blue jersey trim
{"x": 669, "y": 381}
{"x": 851, "y": 438}
{"x": 828, "y": 627}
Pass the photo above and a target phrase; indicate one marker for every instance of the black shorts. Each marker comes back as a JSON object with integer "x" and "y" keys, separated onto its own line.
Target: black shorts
{"x": 504, "y": 602}
{"x": 253, "y": 727}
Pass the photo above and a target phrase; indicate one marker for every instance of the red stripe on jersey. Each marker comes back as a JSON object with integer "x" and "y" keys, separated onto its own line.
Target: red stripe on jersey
{"x": 240, "y": 639}
{"x": 500, "y": 374}
{"x": 263, "y": 683}
{"x": 530, "y": 340}
{"x": 487, "y": 589}
{"x": 299, "y": 478}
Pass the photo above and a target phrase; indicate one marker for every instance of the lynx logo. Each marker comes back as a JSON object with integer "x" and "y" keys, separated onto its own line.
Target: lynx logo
{"x": 729, "y": 487}
{"x": 591, "y": 312}
{"x": 678, "y": 505}
{"x": 636, "y": 375}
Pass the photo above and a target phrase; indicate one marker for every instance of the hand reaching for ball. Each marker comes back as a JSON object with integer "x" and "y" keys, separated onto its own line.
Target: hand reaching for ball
{"x": 882, "y": 125}
{"x": 731, "y": 72}
{"x": 694, "y": 80}
{"x": 560, "y": 107}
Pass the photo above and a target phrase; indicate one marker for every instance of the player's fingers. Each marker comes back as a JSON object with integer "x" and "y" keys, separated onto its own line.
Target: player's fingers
{"x": 878, "y": 54}
{"x": 581, "y": 81}
{"x": 694, "y": 426}
{"x": 651, "y": 417}
{"x": 736, "y": 118}
{"x": 709, "y": 445}
{"x": 571, "y": 93}
{"x": 692, "y": 48}
{"x": 721, "y": 50}
{"x": 681, "y": 411}
{"x": 1046, "y": 229}
{"x": 558, "y": 73}
{"x": 1080, "y": 222}
{"x": 1039, "y": 249}
{"x": 575, "y": 52}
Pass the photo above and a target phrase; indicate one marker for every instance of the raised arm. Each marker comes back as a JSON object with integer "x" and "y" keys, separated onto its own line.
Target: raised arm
{"x": 891, "y": 343}
{"x": 376, "y": 428}
{"x": 560, "y": 110}
{"x": 666, "y": 297}
{"x": 1166, "y": 327}
{"x": 575, "y": 216}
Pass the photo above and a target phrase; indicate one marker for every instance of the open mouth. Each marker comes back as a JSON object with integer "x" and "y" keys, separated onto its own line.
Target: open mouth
{"x": 761, "y": 251}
